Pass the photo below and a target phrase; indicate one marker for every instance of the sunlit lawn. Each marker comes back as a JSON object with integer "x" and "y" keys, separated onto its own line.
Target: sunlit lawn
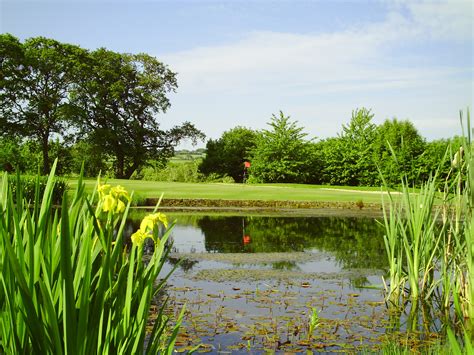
{"x": 293, "y": 192}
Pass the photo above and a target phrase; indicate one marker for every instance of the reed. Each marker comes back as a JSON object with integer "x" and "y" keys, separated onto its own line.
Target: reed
{"x": 397, "y": 277}
{"x": 426, "y": 257}
{"x": 412, "y": 240}
{"x": 69, "y": 283}
{"x": 464, "y": 232}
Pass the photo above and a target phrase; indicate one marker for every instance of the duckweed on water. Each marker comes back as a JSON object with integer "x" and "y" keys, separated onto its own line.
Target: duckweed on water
{"x": 253, "y": 258}
{"x": 235, "y": 275}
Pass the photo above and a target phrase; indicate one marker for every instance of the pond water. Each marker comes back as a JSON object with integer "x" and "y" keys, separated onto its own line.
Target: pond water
{"x": 251, "y": 283}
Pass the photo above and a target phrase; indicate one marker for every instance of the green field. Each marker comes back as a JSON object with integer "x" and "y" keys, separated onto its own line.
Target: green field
{"x": 291, "y": 192}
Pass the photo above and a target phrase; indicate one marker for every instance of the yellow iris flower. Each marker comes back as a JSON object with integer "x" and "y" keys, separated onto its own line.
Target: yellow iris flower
{"x": 147, "y": 226}
{"x": 103, "y": 189}
{"x": 119, "y": 191}
{"x": 108, "y": 203}
{"x": 111, "y": 197}
{"x": 151, "y": 220}
{"x": 139, "y": 237}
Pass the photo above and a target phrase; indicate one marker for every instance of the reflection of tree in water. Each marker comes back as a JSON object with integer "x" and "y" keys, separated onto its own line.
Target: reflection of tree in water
{"x": 184, "y": 264}
{"x": 355, "y": 242}
{"x": 222, "y": 234}
{"x": 285, "y": 265}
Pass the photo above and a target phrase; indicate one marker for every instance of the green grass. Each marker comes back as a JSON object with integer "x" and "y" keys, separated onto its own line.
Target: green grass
{"x": 284, "y": 192}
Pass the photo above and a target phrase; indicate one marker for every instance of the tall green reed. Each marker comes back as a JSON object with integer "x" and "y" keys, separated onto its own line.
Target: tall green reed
{"x": 411, "y": 240}
{"x": 69, "y": 283}
{"x": 430, "y": 239}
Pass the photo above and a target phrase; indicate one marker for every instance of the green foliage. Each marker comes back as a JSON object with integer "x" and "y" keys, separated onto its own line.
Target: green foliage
{"x": 34, "y": 93}
{"x": 184, "y": 171}
{"x": 431, "y": 249}
{"x": 117, "y": 98}
{"x": 51, "y": 91}
{"x": 357, "y": 139}
{"x": 434, "y": 156}
{"x": 226, "y": 155}
{"x": 94, "y": 164}
{"x": 10, "y": 156}
{"x": 172, "y": 172}
{"x": 397, "y": 148}
{"x": 313, "y": 322}
{"x": 282, "y": 154}
{"x": 29, "y": 184}
{"x": 348, "y": 158}
{"x": 330, "y": 150}
{"x": 67, "y": 284}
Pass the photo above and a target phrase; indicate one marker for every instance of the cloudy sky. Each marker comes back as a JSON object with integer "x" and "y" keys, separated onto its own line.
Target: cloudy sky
{"x": 240, "y": 61}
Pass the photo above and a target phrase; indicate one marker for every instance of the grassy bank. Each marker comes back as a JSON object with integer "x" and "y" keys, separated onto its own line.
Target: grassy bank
{"x": 263, "y": 192}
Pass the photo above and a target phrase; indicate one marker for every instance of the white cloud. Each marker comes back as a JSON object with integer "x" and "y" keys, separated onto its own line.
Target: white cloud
{"x": 266, "y": 59}
{"x": 307, "y": 74}
{"x": 448, "y": 20}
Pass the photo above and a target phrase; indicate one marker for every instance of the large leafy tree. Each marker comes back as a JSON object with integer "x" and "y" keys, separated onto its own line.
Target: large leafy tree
{"x": 226, "y": 155}
{"x": 35, "y": 81}
{"x": 282, "y": 153}
{"x": 331, "y": 151}
{"x": 348, "y": 158}
{"x": 398, "y": 148}
{"x": 358, "y": 166}
{"x": 117, "y": 100}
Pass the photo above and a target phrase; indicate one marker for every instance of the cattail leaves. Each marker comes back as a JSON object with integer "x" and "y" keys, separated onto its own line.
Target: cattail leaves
{"x": 430, "y": 241}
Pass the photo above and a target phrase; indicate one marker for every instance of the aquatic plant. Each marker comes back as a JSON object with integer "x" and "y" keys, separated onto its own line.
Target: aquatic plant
{"x": 313, "y": 322}
{"x": 457, "y": 349}
{"x": 428, "y": 258}
{"x": 68, "y": 281}
{"x": 462, "y": 230}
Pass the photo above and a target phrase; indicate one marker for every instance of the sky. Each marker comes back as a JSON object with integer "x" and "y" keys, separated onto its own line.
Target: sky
{"x": 239, "y": 62}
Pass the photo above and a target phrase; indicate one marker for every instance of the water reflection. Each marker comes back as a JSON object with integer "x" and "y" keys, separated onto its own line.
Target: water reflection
{"x": 354, "y": 242}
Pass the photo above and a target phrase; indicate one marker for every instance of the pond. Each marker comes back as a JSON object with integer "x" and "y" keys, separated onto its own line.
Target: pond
{"x": 252, "y": 283}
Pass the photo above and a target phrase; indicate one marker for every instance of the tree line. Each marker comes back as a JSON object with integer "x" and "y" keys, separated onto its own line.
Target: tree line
{"x": 61, "y": 100}
{"x": 362, "y": 154}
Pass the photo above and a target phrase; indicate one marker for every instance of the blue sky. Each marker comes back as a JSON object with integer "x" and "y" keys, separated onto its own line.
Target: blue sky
{"x": 240, "y": 61}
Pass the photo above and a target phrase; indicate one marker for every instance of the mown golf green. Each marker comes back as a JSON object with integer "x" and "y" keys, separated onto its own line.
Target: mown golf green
{"x": 266, "y": 192}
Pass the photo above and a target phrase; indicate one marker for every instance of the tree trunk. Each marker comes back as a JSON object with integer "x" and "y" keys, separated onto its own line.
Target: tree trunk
{"x": 120, "y": 167}
{"x": 130, "y": 170}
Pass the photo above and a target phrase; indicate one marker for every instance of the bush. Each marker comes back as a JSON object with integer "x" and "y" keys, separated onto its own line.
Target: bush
{"x": 214, "y": 177}
{"x": 28, "y": 184}
{"x": 173, "y": 172}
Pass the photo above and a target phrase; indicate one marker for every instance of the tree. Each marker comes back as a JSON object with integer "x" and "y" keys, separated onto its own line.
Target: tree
{"x": 333, "y": 171}
{"x": 356, "y": 150}
{"x": 439, "y": 154}
{"x": 36, "y": 78}
{"x": 397, "y": 150}
{"x": 10, "y": 157}
{"x": 282, "y": 154}
{"x": 226, "y": 155}
{"x": 117, "y": 100}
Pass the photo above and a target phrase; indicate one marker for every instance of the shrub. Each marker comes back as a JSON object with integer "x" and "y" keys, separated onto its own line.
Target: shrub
{"x": 28, "y": 185}
{"x": 173, "y": 172}
{"x": 214, "y": 177}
